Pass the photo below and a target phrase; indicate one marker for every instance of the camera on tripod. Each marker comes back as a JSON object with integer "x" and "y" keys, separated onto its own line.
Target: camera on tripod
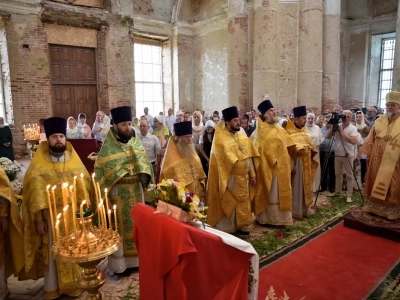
{"x": 336, "y": 120}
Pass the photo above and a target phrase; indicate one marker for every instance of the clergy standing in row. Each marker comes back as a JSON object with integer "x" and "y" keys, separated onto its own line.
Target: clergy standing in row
{"x": 54, "y": 163}
{"x": 11, "y": 235}
{"x": 181, "y": 162}
{"x": 272, "y": 199}
{"x": 231, "y": 173}
{"x": 123, "y": 168}
{"x": 305, "y": 164}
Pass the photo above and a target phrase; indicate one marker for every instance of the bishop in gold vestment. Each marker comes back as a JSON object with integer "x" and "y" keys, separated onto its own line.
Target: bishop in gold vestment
{"x": 305, "y": 164}
{"x": 272, "y": 199}
{"x": 11, "y": 235}
{"x": 382, "y": 146}
{"x": 54, "y": 163}
{"x": 122, "y": 166}
{"x": 231, "y": 173}
{"x": 181, "y": 162}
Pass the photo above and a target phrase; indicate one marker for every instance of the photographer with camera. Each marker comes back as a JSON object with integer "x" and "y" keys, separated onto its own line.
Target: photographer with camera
{"x": 345, "y": 137}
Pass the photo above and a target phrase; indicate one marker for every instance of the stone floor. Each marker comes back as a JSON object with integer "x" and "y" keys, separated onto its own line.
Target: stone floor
{"x": 116, "y": 287}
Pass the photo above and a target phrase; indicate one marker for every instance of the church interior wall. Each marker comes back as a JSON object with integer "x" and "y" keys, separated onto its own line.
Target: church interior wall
{"x": 216, "y": 53}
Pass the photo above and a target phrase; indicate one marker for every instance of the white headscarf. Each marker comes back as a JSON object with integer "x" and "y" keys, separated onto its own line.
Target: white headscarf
{"x": 200, "y": 126}
{"x": 209, "y": 123}
{"x": 160, "y": 119}
{"x": 362, "y": 125}
{"x": 72, "y": 130}
{"x": 310, "y": 115}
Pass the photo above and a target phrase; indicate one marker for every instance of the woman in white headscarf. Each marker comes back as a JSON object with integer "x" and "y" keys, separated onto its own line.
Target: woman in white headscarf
{"x": 73, "y": 131}
{"x": 198, "y": 128}
{"x": 317, "y": 138}
{"x": 161, "y": 131}
{"x": 81, "y": 123}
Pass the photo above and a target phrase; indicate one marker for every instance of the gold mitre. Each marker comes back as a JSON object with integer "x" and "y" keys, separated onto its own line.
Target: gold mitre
{"x": 393, "y": 97}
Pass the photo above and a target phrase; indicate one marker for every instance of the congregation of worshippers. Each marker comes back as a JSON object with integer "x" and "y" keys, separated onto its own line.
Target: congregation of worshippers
{"x": 259, "y": 166}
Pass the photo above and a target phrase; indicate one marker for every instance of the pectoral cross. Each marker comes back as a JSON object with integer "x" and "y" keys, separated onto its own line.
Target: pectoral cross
{"x": 130, "y": 169}
{"x": 394, "y": 145}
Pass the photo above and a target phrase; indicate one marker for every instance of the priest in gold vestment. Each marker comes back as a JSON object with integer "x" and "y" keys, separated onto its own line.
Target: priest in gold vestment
{"x": 305, "y": 164}
{"x": 122, "y": 166}
{"x": 231, "y": 173}
{"x": 11, "y": 235}
{"x": 54, "y": 163}
{"x": 382, "y": 146}
{"x": 181, "y": 162}
{"x": 272, "y": 199}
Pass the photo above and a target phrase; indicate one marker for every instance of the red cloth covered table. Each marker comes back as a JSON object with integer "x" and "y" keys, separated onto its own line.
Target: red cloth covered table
{"x": 84, "y": 147}
{"x": 178, "y": 261}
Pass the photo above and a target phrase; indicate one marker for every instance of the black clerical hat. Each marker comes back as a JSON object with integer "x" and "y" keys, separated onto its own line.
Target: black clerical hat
{"x": 183, "y": 128}
{"x": 264, "y": 106}
{"x": 55, "y": 125}
{"x": 230, "y": 113}
{"x": 121, "y": 114}
{"x": 299, "y": 111}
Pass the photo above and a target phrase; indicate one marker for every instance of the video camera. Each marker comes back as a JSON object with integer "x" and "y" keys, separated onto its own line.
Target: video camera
{"x": 336, "y": 120}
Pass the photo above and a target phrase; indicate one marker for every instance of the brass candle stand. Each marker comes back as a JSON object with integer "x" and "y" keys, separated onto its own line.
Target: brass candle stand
{"x": 87, "y": 247}
{"x": 33, "y": 146}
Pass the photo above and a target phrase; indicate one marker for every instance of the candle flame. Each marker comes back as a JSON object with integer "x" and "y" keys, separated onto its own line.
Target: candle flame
{"x": 65, "y": 184}
{"x": 93, "y": 175}
{"x": 81, "y": 175}
{"x": 114, "y": 207}
{"x": 53, "y": 188}
{"x": 83, "y": 202}
{"x": 71, "y": 187}
{"x": 65, "y": 208}
{"x": 75, "y": 177}
{"x": 105, "y": 190}
{"x": 57, "y": 223}
{"x": 59, "y": 216}
{"x": 48, "y": 186}
{"x": 109, "y": 211}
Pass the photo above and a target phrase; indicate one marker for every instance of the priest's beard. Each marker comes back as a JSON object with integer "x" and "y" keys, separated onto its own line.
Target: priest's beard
{"x": 272, "y": 120}
{"x": 123, "y": 137}
{"x": 186, "y": 150}
{"x": 58, "y": 148}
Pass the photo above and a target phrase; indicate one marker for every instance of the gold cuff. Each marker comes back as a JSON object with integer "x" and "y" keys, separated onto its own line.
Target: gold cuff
{"x": 3, "y": 210}
{"x": 252, "y": 174}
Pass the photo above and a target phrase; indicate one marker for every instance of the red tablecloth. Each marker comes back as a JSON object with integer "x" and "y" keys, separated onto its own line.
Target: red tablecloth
{"x": 84, "y": 147}
{"x": 178, "y": 261}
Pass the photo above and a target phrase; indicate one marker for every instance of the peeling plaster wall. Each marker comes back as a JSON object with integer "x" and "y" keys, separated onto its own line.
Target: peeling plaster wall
{"x": 209, "y": 71}
{"x": 185, "y": 71}
{"x": 195, "y": 11}
{"x": 156, "y": 10}
{"x": 384, "y": 7}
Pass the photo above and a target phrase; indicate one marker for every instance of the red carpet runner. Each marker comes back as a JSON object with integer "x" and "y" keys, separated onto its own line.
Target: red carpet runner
{"x": 340, "y": 264}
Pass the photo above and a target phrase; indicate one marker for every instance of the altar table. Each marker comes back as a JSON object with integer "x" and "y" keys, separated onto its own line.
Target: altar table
{"x": 181, "y": 261}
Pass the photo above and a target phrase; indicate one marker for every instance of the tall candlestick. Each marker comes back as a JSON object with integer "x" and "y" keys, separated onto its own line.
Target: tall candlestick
{"x": 71, "y": 194}
{"x": 64, "y": 193}
{"x": 115, "y": 217}
{"x": 76, "y": 200}
{"x": 81, "y": 212}
{"x": 106, "y": 196}
{"x": 50, "y": 211}
{"x": 85, "y": 191}
{"x": 57, "y": 231}
{"x": 95, "y": 189}
{"x": 103, "y": 216}
{"x": 98, "y": 190}
{"x": 109, "y": 217}
{"x": 66, "y": 220}
{"x": 54, "y": 199}
{"x": 99, "y": 219}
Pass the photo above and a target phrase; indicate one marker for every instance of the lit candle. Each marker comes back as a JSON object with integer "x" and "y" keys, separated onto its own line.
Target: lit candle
{"x": 98, "y": 189}
{"x": 99, "y": 218}
{"x": 66, "y": 220}
{"x": 57, "y": 231}
{"x": 95, "y": 189}
{"x": 64, "y": 192}
{"x": 103, "y": 215}
{"x": 71, "y": 194}
{"x": 81, "y": 212}
{"x": 50, "y": 211}
{"x": 109, "y": 218}
{"x": 106, "y": 196}
{"x": 84, "y": 191}
{"x": 115, "y": 217}
{"x": 54, "y": 198}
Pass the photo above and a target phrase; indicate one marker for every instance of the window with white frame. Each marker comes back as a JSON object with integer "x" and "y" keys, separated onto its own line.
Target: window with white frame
{"x": 148, "y": 78}
{"x": 386, "y": 69}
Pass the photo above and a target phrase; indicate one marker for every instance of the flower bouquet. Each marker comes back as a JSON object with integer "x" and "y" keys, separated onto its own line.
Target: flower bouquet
{"x": 172, "y": 199}
{"x": 10, "y": 168}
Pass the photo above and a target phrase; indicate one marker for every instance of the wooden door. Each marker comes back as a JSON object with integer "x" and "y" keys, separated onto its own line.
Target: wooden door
{"x": 73, "y": 82}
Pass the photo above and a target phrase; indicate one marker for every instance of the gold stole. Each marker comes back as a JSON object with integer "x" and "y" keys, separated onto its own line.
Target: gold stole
{"x": 389, "y": 158}
{"x": 307, "y": 152}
